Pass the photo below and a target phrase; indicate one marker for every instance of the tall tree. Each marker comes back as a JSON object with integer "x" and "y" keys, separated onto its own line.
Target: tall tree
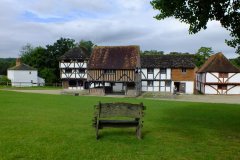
{"x": 54, "y": 52}
{"x": 197, "y": 13}
{"x": 46, "y": 60}
{"x": 6, "y": 63}
{"x": 87, "y": 46}
{"x": 202, "y": 55}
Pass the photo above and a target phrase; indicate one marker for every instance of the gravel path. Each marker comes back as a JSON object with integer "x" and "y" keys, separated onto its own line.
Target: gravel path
{"x": 231, "y": 99}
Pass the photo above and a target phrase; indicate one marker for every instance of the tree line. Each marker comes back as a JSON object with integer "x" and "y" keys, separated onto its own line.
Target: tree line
{"x": 46, "y": 59}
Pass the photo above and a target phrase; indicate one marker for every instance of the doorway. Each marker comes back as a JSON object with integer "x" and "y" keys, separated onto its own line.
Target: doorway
{"x": 180, "y": 87}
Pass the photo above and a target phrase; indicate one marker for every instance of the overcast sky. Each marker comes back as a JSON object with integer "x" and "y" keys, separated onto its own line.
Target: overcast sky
{"x": 104, "y": 22}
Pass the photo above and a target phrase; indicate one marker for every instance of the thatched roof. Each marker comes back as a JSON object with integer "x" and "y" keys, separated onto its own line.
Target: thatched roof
{"x": 218, "y": 63}
{"x": 167, "y": 61}
{"x": 115, "y": 57}
{"x": 74, "y": 54}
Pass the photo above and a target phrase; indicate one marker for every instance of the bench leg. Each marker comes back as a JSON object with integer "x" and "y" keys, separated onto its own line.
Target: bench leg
{"x": 97, "y": 129}
{"x": 139, "y": 132}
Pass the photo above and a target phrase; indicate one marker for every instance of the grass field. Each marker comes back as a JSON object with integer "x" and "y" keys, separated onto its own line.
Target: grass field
{"x": 35, "y": 126}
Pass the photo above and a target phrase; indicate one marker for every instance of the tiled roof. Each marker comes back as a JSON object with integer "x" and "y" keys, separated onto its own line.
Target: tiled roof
{"x": 167, "y": 61}
{"x": 218, "y": 63}
{"x": 74, "y": 54}
{"x": 22, "y": 67}
{"x": 115, "y": 57}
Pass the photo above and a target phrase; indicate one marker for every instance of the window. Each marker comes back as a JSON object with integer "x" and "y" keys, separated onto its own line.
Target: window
{"x": 222, "y": 87}
{"x": 150, "y": 70}
{"x": 67, "y": 70}
{"x": 150, "y": 83}
{"x": 223, "y": 75}
{"x": 81, "y": 71}
{"x": 168, "y": 83}
{"x": 163, "y": 71}
{"x": 109, "y": 71}
{"x": 184, "y": 70}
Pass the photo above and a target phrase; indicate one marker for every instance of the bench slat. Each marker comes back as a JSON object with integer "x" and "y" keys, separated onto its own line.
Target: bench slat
{"x": 118, "y": 123}
{"x": 120, "y": 109}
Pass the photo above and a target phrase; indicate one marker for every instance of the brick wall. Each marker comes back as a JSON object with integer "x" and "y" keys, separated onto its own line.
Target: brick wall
{"x": 178, "y": 75}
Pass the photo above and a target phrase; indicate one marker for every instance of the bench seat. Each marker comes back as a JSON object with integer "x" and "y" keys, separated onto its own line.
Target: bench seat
{"x": 118, "y": 123}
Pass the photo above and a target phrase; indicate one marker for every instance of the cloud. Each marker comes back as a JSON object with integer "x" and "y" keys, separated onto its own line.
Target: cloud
{"x": 105, "y": 22}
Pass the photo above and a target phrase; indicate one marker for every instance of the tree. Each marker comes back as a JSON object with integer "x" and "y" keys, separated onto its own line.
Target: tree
{"x": 54, "y": 52}
{"x": 87, "y": 46}
{"x": 46, "y": 60}
{"x": 152, "y": 52}
{"x": 6, "y": 63}
{"x": 236, "y": 61}
{"x": 197, "y": 13}
{"x": 202, "y": 55}
{"x": 4, "y": 80}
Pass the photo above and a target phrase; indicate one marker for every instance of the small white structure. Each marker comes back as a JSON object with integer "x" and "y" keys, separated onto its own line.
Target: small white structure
{"x": 73, "y": 69}
{"x": 218, "y": 76}
{"x": 23, "y": 75}
{"x": 163, "y": 73}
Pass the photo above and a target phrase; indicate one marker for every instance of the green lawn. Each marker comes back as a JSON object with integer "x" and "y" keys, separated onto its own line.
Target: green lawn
{"x": 35, "y": 126}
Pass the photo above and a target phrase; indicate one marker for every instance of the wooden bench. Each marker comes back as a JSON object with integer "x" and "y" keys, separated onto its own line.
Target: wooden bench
{"x": 107, "y": 115}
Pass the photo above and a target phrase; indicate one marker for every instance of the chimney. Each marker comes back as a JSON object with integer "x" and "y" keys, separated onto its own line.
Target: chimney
{"x": 18, "y": 62}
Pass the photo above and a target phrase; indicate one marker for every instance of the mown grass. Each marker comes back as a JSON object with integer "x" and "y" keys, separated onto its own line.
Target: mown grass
{"x": 35, "y": 126}
{"x": 30, "y": 87}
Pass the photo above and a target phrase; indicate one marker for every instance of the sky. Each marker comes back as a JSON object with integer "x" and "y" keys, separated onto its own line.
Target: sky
{"x": 104, "y": 22}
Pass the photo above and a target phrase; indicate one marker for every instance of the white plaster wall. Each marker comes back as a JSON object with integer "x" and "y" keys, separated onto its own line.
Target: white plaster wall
{"x": 163, "y": 76}
{"x": 23, "y": 78}
{"x": 168, "y": 73}
{"x": 41, "y": 81}
{"x": 156, "y": 83}
{"x": 80, "y": 76}
{"x": 235, "y": 78}
{"x": 189, "y": 87}
{"x": 210, "y": 90}
{"x": 156, "y": 89}
{"x": 150, "y": 89}
{"x": 150, "y": 76}
{"x": 168, "y": 89}
{"x": 235, "y": 90}
{"x": 144, "y": 72}
{"x": 162, "y": 89}
{"x": 144, "y": 88}
{"x": 10, "y": 75}
{"x": 162, "y": 83}
{"x": 156, "y": 75}
{"x": 211, "y": 78}
{"x": 144, "y": 83}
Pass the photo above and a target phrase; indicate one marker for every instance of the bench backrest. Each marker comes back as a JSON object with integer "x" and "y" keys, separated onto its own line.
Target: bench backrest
{"x": 120, "y": 110}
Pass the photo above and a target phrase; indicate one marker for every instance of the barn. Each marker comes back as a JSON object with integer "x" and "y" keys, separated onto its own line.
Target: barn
{"x": 114, "y": 70}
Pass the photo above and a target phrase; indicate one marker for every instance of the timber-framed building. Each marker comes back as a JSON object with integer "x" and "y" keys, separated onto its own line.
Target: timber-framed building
{"x": 114, "y": 70}
{"x": 73, "y": 65}
{"x": 164, "y": 73}
{"x": 218, "y": 76}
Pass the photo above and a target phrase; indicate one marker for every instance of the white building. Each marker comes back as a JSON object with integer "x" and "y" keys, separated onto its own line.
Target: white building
{"x": 163, "y": 73}
{"x": 73, "y": 65}
{"x": 218, "y": 76}
{"x": 23, "y": 75}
